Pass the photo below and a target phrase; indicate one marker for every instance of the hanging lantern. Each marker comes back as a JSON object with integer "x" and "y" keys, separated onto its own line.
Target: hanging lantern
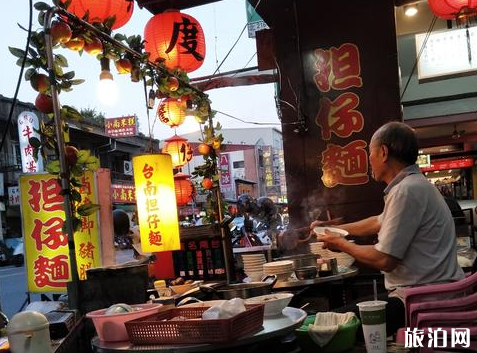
{"x": 179, "y": 149}
{"x": 100, "y": 10}
{"x": 184, "y": 189}
{"x": 453, "y": 9}
{"x": 156, "y": 202}
{"x": 175, "y": 38}
{"x": 172, "y": 112}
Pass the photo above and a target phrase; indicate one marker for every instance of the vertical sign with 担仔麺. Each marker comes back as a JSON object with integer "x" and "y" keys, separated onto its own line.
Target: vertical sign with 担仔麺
{"x": 46, "y": 245}
{"x": 342, "y": 84}
{"x": 338, "y": 69}
{"x": 28, "y": 127}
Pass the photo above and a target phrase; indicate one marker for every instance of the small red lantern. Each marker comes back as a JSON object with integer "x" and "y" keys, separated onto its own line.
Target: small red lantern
{"x": 100, "y": 10}
{"x": 175, "y": 38}
{"x": 453, "y": 9}
{"x": 179, "y": 149}
{"x": 185, "y": 191}
{"x": 172, "y": 112}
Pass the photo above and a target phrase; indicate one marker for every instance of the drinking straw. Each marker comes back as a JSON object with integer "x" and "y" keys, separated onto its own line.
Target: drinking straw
{"x": 375, "y": 290}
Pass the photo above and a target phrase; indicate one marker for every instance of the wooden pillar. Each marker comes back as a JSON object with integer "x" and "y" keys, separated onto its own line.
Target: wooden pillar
{"x": 339, "y": 82}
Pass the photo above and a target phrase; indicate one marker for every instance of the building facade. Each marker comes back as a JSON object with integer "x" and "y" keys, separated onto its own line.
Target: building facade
{"x": 251, "y": 162}
{"x": 114, "y": 154}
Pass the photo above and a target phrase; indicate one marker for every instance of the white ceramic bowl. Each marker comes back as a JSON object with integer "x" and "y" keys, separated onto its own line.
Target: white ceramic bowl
{"x": 274, "y": 303}
{"x": 321, "y": 230}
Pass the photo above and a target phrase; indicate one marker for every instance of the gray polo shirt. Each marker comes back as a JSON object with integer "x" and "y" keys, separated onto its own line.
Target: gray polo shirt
{"x": 417, "y": 228}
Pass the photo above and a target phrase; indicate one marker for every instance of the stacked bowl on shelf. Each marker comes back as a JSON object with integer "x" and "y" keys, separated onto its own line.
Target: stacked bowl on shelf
{"x": 253, "y": 266}
{"x": 282, "y": 269}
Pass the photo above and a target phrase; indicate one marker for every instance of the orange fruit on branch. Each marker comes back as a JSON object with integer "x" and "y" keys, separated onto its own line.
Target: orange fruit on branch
{"x": 203, "y": 149}
{"x": 94, "y": 47}
{"x": 71, "y": 155}
{"x": 123, "y": 66}
{"x": 76, "y": 43}
{"x": 40, "y": 82}
{"x": 207, "y": 183}
{"x": 60, "y": 32}
{"x": 44, "y": 103}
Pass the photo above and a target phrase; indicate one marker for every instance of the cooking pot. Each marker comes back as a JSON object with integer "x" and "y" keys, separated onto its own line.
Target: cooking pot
{"x": 300, "y": 261}
{"x": 242, "y": 290}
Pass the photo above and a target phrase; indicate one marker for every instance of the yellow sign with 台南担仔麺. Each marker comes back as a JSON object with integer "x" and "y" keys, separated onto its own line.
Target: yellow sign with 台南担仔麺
{"x": 156, "y": 202}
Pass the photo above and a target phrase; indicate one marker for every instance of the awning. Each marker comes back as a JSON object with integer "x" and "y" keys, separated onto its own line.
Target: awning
{"x": 244, "y": 77}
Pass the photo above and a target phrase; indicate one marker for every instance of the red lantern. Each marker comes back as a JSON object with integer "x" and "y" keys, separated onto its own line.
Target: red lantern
{"x": 177, "y": 39}
{"x": 185, "y": 191}
{"x": 100, "y": 10}
{"x": 172, "y": 112}
{"x": 453, "y": 9}
{"x": 179, "y": 149}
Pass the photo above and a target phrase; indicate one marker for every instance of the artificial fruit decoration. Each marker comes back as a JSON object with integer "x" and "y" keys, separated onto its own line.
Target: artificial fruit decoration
{"x": 60, "y": 32}
{"x": 44, "y": 103}
{"x": 71, "y": 155}
{"x": 123, "y": 66}
{"x": 216, "y": 144}
{"x": 93, "y": 47}
{"x": 76, "y": 43}
{"x": 203, "y": 149}
{"x": 207, "y": 183}
{"x": 172, "y": 83}
{"x": 40, "y": 82}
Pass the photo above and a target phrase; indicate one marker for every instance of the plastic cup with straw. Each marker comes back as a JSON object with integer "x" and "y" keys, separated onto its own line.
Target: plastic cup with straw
{"x": 373, "y": 318}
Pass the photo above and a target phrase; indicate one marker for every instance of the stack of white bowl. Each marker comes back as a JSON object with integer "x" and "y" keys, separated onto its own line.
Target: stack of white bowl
{"x": 317, "y": 249}
{"x": 342, "y": 258}
{"x": 282, "y": 269}
{"x": 253, "y": 266}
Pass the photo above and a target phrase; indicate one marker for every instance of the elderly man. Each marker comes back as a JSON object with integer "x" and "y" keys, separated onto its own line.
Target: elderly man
{"x": 416, "y": 235}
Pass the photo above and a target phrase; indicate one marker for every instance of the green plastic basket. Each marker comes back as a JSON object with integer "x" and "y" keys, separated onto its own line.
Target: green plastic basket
{"x": 342, "y": 341}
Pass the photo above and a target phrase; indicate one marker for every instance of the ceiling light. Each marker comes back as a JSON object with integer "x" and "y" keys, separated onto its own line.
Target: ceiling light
{"x": 410, "y": 10}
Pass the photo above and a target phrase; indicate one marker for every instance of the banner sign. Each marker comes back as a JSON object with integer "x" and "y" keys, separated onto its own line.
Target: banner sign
{"x": 46, "y": 246}
{"x": 28, "y": 127}
{"x": 13, "y": 195}
{"x": 123, "y": 193}
{"x": 226, "y": 185}
{"x": 121, "y": 127}
{"x": 452, "y": 164}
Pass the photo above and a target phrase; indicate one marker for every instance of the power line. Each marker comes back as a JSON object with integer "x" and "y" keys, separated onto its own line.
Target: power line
{"x": 429, "y": 31}
{"x": 20, "y": 76}
{"x": 252, "y": 122}
{"x": 233, "y": 46}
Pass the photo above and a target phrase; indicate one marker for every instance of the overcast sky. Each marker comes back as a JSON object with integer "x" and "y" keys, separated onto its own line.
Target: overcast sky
{"x": 222, "y": 23}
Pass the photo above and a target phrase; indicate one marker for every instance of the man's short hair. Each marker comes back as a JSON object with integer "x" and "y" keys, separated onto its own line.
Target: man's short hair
{"x": 400, "y": 140}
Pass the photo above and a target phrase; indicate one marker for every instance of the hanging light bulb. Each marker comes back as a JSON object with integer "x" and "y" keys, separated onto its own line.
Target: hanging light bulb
{"x": 151, "y": 99}
{"x": 107, "y": 89}
{"x": 190, "y": 111}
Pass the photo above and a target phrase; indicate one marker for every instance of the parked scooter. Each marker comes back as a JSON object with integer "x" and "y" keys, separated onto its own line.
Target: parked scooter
{"x": 17, "y": 250}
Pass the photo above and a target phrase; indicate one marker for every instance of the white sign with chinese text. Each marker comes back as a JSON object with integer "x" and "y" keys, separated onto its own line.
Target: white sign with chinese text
{"x": 226, "y": 184}
{"x": 446, "y": 54}
{"x": 13, "y": 195}
{"x": 28, "y": 127}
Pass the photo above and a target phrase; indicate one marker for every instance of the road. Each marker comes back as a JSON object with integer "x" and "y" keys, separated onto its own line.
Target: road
{"x": 13, "y": 289}
{"x": 13, "y": 285}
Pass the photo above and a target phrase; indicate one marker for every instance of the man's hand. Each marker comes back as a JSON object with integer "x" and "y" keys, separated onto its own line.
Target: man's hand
{"x": 331, "y": 240}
